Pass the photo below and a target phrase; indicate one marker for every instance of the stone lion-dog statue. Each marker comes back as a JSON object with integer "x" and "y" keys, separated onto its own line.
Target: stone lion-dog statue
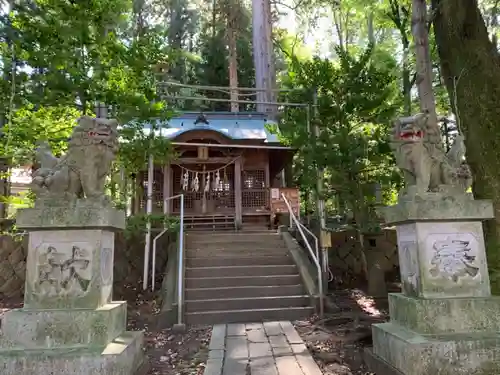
{"x": 82, "y": 171}
{"x": 419, "y": 152}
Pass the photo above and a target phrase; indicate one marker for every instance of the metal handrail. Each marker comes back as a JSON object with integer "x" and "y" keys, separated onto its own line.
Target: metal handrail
{"x": 316, "y": 240}
{"x": 180, "y": 293}
{"x": 314, "y": 256}
{"x": 153, "y": 271}
{"x": 153, "y": 266}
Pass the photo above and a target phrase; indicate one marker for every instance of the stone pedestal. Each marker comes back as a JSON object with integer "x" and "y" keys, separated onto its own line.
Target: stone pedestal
{"x": 69, "y": 325}
{"x": 445, "y": 322}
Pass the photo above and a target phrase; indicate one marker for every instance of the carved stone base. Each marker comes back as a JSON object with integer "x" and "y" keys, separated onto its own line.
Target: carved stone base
{"x": 69, "y": 269}
{"x": 415, "y": 354}
{"x": 437, "y": 207}
{"x": 412, "y": 193}
{"x": 81, "y": 213}
{"x": 441, "y": 246}
{"x": 437, "y": 336}
{"x": 72, "y": 341}
{"x": 445, "y": 316}
{"x": 54, "y": 329}
{"x": 443, "y": 259}
{"x": 68, "y": 324}
{"x": 446, "y": 321}
{"x": 122, "y": 356}
{"x": 377, "y": 365}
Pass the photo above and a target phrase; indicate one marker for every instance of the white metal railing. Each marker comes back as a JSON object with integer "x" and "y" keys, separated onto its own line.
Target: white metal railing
{"x": 180, "y": 269}
{"x": 181, "y": 235}
{"x": 316, "y": 240}
{"x": 314, "y": 254}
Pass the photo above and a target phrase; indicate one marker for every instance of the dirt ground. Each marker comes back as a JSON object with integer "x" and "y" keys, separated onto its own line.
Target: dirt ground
{"x": 167, "y": 353}
{"x": 336, "y": 341}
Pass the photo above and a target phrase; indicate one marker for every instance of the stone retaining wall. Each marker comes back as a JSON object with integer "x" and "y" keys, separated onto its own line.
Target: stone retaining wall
{"x": 13, "y": 251}
{"x": 346, "y": 256}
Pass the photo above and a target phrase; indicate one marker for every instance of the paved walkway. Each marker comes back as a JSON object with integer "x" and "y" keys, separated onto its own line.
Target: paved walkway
{"x": 271, "y": 348}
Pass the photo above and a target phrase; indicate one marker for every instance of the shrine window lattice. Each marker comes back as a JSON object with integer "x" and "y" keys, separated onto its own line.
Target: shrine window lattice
{"x": 254, "y": 193}
{"x": 157, "y": 189}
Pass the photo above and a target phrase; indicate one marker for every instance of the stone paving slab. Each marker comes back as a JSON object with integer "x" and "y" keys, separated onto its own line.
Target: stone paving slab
{"x": 270, "y": 348}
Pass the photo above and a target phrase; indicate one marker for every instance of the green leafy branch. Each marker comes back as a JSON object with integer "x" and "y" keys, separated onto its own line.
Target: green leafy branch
{"x": 137, "y": 224}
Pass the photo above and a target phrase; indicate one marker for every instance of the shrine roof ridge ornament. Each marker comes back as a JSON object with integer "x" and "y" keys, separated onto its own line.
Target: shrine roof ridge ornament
{"x": 238, "y": 126}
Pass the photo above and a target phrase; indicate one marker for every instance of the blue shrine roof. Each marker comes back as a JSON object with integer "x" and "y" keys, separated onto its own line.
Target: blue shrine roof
{"x": 237, "y": 126}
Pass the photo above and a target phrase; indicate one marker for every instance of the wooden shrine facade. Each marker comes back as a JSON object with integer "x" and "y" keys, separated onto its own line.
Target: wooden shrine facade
{"x": 220, "y": 175}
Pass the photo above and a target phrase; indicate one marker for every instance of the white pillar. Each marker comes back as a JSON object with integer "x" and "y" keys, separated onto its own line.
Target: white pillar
{"x": 167, "y": 187}
{"x": 149, "y": 209}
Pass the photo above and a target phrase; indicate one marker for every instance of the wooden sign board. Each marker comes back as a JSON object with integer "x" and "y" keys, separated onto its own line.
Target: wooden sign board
{"x": 278, "y": 204}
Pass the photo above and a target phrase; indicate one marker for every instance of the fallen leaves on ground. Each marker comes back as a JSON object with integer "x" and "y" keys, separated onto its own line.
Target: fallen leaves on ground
{"x": 167, "y": 352}
{"x": 337, "y": 340}
{"x": 172, "y": 353}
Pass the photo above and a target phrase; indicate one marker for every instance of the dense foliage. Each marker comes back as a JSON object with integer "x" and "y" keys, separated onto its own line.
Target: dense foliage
{"x": 356, "y": 99}
{"x": 59, "y": 58}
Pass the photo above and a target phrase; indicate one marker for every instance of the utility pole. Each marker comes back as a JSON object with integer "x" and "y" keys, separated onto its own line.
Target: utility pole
{"x": 263, "y": 54}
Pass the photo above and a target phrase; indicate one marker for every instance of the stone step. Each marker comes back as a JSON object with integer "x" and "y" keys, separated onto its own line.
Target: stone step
{"x": 226, "y": 253}
{"x": 192, "y": 238}
{"x": 274, "y": 302}
{"x": 257, "y": 260}
{"x": 249, "y": 230}
{"x": 209, "y": 227}
{"x": 218, "y": 282}
{"x": 229, "y": 248}
{"x": 256, "y": 229}
{"x": 233, "y": 247}
{"x": 245, "y": 231}
{"x": 244, "y": 292}
{"x": 247, "y": 316}
{"x": 228, "y": 271}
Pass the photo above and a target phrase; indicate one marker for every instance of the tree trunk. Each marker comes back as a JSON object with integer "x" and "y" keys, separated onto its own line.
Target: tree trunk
{"x": 263, "y": 55}
{"x": 232, "y": 37}
{"x": 4, "y": 187}
{"x": 371, "y": 30}
{"x": 400, "y": 17}
{"x": 175, "y": 35}
{"x": 423, "y": 59}
{"x": 470, "y": 67}
{"x": 407, "y": 86}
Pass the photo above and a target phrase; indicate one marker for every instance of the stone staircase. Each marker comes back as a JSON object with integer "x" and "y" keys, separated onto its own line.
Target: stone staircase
{"x": 241, "y": 277}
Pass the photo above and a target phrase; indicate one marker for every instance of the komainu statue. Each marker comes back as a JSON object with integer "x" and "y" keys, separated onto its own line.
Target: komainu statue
{"x": 82, "y": 171}
{"x": 420, "y": 154}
